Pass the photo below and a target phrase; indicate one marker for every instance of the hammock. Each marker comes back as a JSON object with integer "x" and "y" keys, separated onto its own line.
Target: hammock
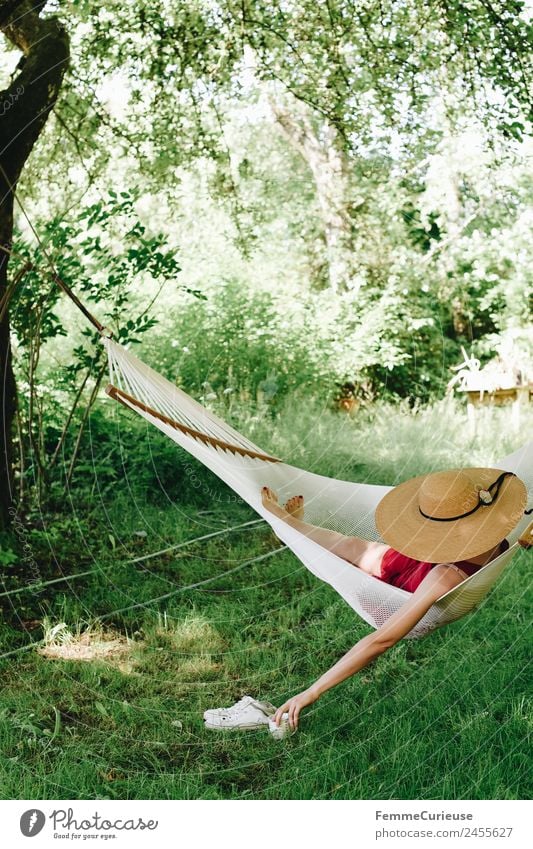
{"x": 339, "y": 505}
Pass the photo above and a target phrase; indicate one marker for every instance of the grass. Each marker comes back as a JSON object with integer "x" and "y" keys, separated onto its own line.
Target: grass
{"x": 112, "y": 707}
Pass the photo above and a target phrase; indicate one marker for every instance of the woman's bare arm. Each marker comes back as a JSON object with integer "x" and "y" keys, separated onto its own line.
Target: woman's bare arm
{"x": 439, "y": 581}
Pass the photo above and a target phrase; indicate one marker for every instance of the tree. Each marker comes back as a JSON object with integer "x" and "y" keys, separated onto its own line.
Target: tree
{"x": 26, "y": 104}
{"x": 344, "y": 69}
{"x": 346, "y": 79}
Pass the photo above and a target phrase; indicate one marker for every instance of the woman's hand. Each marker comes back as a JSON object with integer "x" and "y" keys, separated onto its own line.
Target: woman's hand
{"x": 294, "y": 706}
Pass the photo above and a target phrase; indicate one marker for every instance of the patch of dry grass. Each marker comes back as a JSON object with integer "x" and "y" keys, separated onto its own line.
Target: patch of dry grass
{"x": 89, "y": 644}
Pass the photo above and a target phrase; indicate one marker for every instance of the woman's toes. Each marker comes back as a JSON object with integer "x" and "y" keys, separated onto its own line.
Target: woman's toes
{"x": 295, "y": 506}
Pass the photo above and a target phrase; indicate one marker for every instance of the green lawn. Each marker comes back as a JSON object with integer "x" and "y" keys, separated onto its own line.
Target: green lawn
{"x": 445, "y": 717}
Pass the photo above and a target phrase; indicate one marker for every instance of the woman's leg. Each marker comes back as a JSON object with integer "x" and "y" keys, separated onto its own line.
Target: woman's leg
{"x": 365, "y": 554}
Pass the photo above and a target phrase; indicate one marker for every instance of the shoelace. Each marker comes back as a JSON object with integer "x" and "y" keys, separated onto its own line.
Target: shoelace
{"x": 240, "y": 704}
{"x": 235, "y": 708}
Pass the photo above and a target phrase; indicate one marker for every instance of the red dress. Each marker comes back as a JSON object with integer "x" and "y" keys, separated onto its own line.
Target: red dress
{"x": 406, "y": 573}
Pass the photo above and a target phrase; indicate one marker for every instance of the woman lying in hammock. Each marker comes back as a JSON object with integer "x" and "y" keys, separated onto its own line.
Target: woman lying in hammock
{"x": 441, "y": 527}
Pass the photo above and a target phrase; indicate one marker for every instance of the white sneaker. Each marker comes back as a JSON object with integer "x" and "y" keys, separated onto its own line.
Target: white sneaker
{"x": 243, "y": 703}
{"x": 246, "y": 714}
{"x": 279, "y": 732}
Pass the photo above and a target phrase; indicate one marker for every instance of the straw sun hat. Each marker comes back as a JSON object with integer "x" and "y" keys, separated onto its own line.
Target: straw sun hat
{"x": 453, "y": 515}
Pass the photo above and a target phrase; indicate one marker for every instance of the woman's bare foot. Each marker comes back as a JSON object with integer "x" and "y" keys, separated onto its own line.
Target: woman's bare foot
{"x": 270, "y": 501}
{"x": 295, "y": 506}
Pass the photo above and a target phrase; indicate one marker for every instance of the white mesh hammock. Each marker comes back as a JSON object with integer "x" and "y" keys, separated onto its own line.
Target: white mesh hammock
{"x": 340, "y": 505}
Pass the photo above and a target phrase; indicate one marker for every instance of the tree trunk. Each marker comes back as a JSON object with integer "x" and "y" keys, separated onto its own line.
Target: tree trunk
{"x": 323, "y": 153}
{"x": 24, "y": 108}
{"x": 7, "y": 380}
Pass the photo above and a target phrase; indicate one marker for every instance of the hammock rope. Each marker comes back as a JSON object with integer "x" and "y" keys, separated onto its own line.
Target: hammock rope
{"x": 55, "y": 276}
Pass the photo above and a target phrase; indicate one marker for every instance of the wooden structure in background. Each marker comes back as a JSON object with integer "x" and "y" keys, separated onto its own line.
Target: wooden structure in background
{"x": 517, "y": 396}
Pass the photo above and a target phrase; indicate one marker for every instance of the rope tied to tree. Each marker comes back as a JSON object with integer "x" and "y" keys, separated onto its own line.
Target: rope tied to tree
{"x": 4, "y": 302}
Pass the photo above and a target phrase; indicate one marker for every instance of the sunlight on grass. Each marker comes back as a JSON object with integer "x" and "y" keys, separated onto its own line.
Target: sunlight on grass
{"x": 181, "y": 651}
{"x": 192, "y": 635}
{"x": 200, "y": 668}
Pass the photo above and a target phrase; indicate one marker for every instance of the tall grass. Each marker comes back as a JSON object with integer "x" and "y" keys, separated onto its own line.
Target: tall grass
{"x": 389, "y": 443}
